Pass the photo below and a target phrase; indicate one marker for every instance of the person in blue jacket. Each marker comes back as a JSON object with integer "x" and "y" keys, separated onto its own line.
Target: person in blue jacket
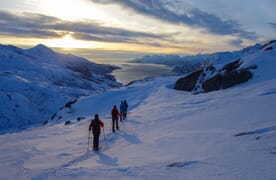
{"x": 122, "y": 110}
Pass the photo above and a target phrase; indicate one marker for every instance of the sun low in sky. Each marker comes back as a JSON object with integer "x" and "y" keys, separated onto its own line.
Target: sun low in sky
{"x": 138, "y": 26}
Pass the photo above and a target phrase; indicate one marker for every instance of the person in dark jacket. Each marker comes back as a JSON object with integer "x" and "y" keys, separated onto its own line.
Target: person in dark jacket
{"x": 125, "y": 110}
{"x": 122, "y": 110}
{"x": 115, "y": 116}
{"x": 95, "y": 126}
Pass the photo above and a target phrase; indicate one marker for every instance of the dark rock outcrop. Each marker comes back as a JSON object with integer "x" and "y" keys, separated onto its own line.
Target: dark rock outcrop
{"x": 210, "y": 79}
{"x": 268, "y": 48}
{"x": 231, "y": 66}
{"x": 68, "y": 104}
{"x": 235, "y": 77}
{"x": 67, "y": 123}
{"x": 188, "y": 83}
{"x": 212, "y": 84}
{"x": 227, "y": 80}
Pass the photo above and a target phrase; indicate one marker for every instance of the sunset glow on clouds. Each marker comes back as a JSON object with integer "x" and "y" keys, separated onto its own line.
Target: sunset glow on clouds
{"x": 148, "y": 26}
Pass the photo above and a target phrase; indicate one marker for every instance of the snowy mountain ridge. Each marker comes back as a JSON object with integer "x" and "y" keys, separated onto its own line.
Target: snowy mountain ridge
{"x": 257, "y": 63}
{"x": 35, "y": 82}
{"x": 189, "y": 63}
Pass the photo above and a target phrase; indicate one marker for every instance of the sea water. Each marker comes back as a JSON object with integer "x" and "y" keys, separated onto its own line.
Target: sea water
{"x": 137, "y": 71}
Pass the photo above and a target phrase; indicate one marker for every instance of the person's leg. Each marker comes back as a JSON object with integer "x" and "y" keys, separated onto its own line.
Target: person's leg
{"x": 117, "y": 126}
{"x": 124, "y": 115}
{"x": 113, "y": 124}
{"x": 121, "y": 116}
{"x": 96, "y": 142}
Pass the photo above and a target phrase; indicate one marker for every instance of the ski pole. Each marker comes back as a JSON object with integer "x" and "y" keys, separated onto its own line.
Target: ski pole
{"x": 111, "y": 127}
{"x": 88, "y": 141}
{"x": 104, "y": 136}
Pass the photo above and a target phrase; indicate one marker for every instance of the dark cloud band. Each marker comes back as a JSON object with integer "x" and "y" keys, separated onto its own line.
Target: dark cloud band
{"x": 41, "y": 26}
{"x": 273, "y": 25}
{"x": 166, "y": 11}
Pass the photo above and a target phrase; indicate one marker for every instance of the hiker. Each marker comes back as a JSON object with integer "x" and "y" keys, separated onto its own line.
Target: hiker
{"x": 126, "y": 106}
{"x": 95, "y": 126}
{"x": 115, "y": 116}
{"x": 122, "y": 110}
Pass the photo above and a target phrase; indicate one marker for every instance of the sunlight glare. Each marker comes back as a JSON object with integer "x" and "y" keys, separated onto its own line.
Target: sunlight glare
{"x": 68, "y": 42}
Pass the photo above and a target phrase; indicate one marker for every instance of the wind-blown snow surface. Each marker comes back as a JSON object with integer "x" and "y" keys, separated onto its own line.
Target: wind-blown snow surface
{"x": 35, "y": 82}
{"x": 169, "y": 134}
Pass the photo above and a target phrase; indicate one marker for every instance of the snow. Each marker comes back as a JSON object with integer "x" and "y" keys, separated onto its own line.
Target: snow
{"x": 36, "y": 82}
{"x": 227, "y": 134}
{"x": 265, "y": 60}
{"x": 168, "y": 134}
{"x": 190, "y": 63}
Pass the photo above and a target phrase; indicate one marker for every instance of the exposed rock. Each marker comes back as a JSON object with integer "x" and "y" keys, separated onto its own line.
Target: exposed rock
{"x": 269, "y": 43}
{"x": 210, "y": 79}
{"x": 68, "y": 104}
{"x": 53, "y": 116}
{"x": 212, "y": 84}
{"x": 268, "y": 48}
{"x": 188, "y": 83}
{"x": 257, "y": 138}
{"x": 80, "y": 118}
{"x": 235, "y": 77}
{"x": 232, "y": 66}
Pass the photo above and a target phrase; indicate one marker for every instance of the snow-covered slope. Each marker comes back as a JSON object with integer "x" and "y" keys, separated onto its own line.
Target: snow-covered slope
{"x": 35, "y": 82}
{"x": 186, "y": 64}
{"x": 257, "y": 63}
{"x": 169, "y": 134}
{"x": 228, "y": 134}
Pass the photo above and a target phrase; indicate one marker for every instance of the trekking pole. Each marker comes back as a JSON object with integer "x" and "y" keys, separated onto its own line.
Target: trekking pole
{"x": 111, "y": 127}
{"x": 88, "y": 141}
{"x": 104, "y": 136}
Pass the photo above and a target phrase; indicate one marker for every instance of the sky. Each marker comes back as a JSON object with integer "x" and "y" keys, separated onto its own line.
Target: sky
{"x": 136, "y": 27}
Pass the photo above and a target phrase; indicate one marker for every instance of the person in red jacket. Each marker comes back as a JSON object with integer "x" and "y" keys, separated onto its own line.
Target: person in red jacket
{"x": 115, "y": 116}
{"x": 95, "y": 126}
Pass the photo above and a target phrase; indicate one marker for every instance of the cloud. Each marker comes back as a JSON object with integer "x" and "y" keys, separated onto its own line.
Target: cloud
{"x": 236, "y": 43}
{"x": 41, "y": 26}
{"x": 27, "y": 25}
{"x": 169, "y": 11}
{"x": 273, "y": 25}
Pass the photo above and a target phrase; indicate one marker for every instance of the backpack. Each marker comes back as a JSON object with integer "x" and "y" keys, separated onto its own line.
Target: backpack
{"x": 96, "y": 126}
{"x": 114, "y": 112}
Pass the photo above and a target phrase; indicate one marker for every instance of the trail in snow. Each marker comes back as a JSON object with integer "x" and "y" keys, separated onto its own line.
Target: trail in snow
{"x": 168, "y": 135}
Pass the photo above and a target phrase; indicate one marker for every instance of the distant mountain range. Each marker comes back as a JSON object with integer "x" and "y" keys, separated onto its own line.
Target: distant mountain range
{"x": 186, "y": 64}
{"x": 35, "y": 82}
